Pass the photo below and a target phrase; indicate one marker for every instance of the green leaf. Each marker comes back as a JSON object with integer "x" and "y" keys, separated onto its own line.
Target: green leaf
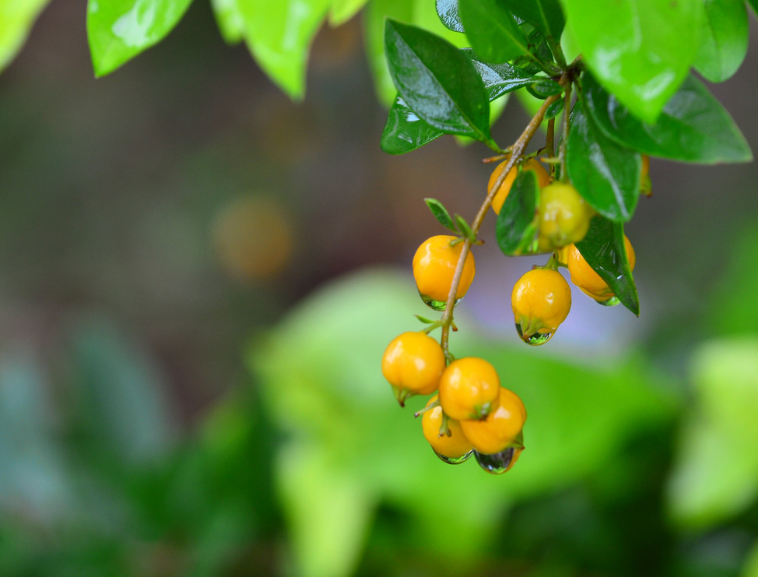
{"x": 500, "y": 79}
{"x": 640, "y": 50}
{"x": 724, "y": 39}
{"x": 545, "y": 15}
{"x": 693, "y": 126}
{"x": 492, "y": 30}
{"x": 437, "y": 81}
{"x": 16, "y": 19}
{"x": 603, "y": 249}
{"x": 447, "y": 10}
{"x": 515, "y": 228}
{"x": 544, "y": 89}
{"x": 606, "y": 174}
{"x": 716, "y": 465}
{"x": 405, "y": 131}
{"x": 279, "y": 35}
{"x": 753, "y": 5}
{"x": 118, "y": 30}
{"x": 229, "y": 19}
{"x": 464, "y": 227}
{"x": 440, "y": 213}
{"x": 555, "y": 108}
{"x": 343, "y": 10}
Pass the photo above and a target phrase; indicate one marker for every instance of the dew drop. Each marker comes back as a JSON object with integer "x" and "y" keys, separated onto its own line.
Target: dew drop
{"x": 535, "y": 339}
{"x": 436, "y": 305}
{"x": 611, "y": 302}
{"x": 454, "y": 460}
{"x": 497, "y": 463}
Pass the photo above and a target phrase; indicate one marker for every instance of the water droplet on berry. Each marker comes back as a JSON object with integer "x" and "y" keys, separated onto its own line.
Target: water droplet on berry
{"x": 454, "y": 460}
{"x": 535, "y": 339}
{"x": 497, "y": 463}
{"x": 436, "y": 305}
{"x": 611, "y": 302}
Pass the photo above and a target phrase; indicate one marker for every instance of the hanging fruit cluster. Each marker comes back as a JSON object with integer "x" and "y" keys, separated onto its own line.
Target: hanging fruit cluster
{"x": 568, "y": 199}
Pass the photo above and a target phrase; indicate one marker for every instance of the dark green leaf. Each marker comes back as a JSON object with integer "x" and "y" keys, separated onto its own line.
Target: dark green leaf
{"x": 545, "y": 15}
{"x": 463, "y": 227}
{"x": 640, "y": 50}
{"x": 492, "y": 30}
{"x": 753, "y": 5}
{"x": 544, "y": 89}
{"x": 724, "y": 39}
{"x": 555, "y": 108}
{"x": 447, "y": 10}
{"x": 405, "y": 131}
{"x": 693, "y": 126}
{"x": 440, "y": 213}
{"x": 437, "y": 81}
{"x": 539, "y": 55}
{"x": 515, "y": 228}
{"x": 118, "y": 30}
{"x": 605, "y": 173}
{"x": 502, "y": 78}
{"x": 603, "y": 249}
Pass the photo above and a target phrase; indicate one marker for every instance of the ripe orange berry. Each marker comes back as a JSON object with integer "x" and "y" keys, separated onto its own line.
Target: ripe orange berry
{"x": 502, "y": 427}
{"x": 541, "y": 301}
{"x": 453, "y": 449}
{"x": 583, "y": 276}
{"x": 434, "y": 267}
{"x": 469, "y": 388}
{"x": 564, "y": 216}
{"x": 413, "y": 364}
{"x": 543, "y": 179}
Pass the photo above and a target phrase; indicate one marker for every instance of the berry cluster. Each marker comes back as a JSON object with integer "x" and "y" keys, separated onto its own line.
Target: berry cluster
{"x": 472, "y": 414}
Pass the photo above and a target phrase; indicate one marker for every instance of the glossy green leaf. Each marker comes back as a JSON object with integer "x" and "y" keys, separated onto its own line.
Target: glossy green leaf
{"x": 724, "y": 39}
{"x": 640, "y": 50}
{"x": 229, "y": 19}
{"x": 500, "y": 79}
{"x": 716, "y": 466}
{"x": 539, "y": 58}
{"x": 605, "y": 173}
{"x": 405, "y": 131}
{"x": 279, "y": 35}
{"x": 448, "y": 12}
{"x": 693, "y": 126}
{"x": 343, "y": 10}
{"x": 516, "y": 227}
{"x": 754, "y": 5}
{"x": 555, "y": 108}
{"x": 603, "y": 249}
{"x": 437, "y": 81}
{"x": 492, "y": 30}
{"x": 544, "y": 89}
{"x": 545, "y": 15}
{"x": 440, "y": 213}
{"x": 118, "y": 30}
{"x": 16, "y": 19}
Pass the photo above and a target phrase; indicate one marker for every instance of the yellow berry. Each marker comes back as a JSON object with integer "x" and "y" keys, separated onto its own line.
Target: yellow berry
{"x": 583, "y": 276}
{"x": 434, "y": 267}
{"x": 413, "y": 364}
{"x": 543, "y": 179}
{"x": 454, "y": 448}
{"x": 564, "y": 216}
{"x": 541, "y": 301}
{"x": 469, "y": 388}
{"x": 502, "y": 427}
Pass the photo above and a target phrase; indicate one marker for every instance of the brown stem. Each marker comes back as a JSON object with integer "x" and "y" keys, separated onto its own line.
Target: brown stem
{"x": 516, "y": 151}
{"x": 550, "y": 143}
{"x": 565, "y": 135}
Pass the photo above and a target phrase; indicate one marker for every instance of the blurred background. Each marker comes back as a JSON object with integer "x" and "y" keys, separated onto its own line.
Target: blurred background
{"x": 198, "y": 279}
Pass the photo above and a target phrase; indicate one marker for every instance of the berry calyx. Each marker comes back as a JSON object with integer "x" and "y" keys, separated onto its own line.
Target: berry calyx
{"x": 452, "y": 447}
{"x": 543, "y": 179}
{"x": 469, "y": 389}
{"x": 502, "y": 429}
{"x": 583, "y": 275}
{"x": 564, "y": 216}
{"x": 541, "y": 301}
{"x": 413, "y": 364}
{"x": 434, "y": 268}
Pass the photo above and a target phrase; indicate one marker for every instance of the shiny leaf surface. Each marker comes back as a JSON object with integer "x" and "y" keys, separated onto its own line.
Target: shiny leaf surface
{"x": 693, "y": 126}
{"x": 16, "y": 19}
{"x": 405, "y": 131}
{"x": 492, "y": 30}
{"x": 605, "y": 173}
{"x": 636, "y": 48}
{"x": 279, "y": 35}
{"x": 118, "y": 30}
{"x": 500, "y": 79}
{"x": 724, "y": 39}
{"x": 437, "y": 81}
{"x": 545, "y": 15}
{"x": 515, "y": 228}
{"x": 448, "y": 12}
{"x": 603, "y": 249}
